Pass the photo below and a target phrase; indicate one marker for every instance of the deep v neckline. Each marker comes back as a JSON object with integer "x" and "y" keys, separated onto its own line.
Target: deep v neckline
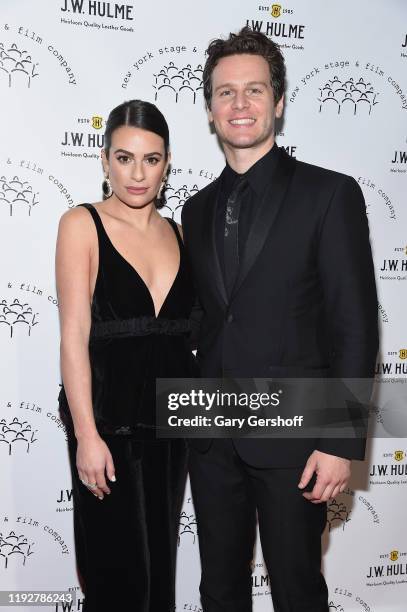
{"x": 135, "y": 271}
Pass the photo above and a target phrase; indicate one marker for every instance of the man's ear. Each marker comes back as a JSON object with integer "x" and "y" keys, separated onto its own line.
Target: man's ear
{"x": 280, "y": 107}
{"x": 209, "y": 113}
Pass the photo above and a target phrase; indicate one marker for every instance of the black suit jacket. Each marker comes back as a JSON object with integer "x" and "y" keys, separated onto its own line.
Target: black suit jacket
{"x": 304, "y": 303}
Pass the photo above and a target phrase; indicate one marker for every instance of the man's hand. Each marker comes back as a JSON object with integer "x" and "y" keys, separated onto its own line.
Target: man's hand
{"x": 332, "y": 473}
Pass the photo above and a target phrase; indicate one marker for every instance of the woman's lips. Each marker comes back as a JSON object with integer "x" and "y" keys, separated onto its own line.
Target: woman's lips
{"x": 137, "y": 190}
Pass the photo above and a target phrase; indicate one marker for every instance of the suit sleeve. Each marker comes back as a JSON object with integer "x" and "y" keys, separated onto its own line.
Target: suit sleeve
{"x": 349, "y": 290}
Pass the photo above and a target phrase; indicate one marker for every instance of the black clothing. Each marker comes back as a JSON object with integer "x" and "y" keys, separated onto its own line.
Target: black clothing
{"x": 231, "y": 233}
{"x": 227, "y": 495}
{"x": 129, "y": 347}
{"x": 304, "y": 305}
{"x": 126, "y": 543}
{"x": 258, "y": 178}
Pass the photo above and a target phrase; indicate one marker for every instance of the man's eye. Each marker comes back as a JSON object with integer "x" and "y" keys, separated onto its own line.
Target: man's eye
{"x": 255, "y": 90}
{"x": 225, "y": 92}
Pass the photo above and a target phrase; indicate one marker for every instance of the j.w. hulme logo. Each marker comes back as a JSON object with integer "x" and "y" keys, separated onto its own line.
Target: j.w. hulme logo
{"x": 15, "y": 549}
{"x": 178, "y": 83}
{"x": 391, "y": 569}
{"x": 16, "y": 65}
{"x": 275, "y": 10}
{"x": 97, "y": 122}
{"x": 16, "y": 434}
{"x": 16, "y": 315}
{"x": 97, "y": 8}
{"x": 17, "y": 194}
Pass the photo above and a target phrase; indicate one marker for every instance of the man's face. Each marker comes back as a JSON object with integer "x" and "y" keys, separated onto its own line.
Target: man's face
{"x": 242, "y": 107}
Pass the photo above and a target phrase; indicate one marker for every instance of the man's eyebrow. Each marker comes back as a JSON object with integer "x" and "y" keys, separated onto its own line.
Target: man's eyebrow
{"x": 233, "y": 84}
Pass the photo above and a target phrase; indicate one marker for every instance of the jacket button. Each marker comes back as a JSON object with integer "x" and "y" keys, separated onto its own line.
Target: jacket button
{"x": 230, "y": 318}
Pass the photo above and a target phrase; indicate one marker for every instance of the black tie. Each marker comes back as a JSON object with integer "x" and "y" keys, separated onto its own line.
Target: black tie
{"x": 231, "y": 238}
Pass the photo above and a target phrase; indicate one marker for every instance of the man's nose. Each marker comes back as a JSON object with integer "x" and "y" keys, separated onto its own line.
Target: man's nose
{"x": 240, "y": 100}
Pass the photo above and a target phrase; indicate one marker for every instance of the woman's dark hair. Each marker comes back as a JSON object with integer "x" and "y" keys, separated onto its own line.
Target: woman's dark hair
{"x": 253, "y": 43}
{"x": 139, "y": 114}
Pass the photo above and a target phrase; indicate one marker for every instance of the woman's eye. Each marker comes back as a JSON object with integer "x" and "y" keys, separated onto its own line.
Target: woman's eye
{"x": 152, "y": 161}
{"x": 123, "y": 159}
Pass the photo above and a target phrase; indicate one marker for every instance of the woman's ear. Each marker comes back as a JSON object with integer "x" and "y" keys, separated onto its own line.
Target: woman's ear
{"x": 168, "y": 164}
{"x": 105, "y": 162}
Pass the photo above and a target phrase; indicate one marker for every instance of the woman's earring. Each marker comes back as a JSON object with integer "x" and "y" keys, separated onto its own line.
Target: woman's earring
{"x": 160, "y": 191}
{"x": 107, "y": 187}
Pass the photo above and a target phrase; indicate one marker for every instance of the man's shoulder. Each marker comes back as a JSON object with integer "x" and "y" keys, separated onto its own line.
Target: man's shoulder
{"x": 320, "y": 176}
{"x": 307, "y": 169}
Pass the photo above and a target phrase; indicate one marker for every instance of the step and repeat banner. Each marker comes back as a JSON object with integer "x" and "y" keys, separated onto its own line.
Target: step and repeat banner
{"x": 64, "y": 64}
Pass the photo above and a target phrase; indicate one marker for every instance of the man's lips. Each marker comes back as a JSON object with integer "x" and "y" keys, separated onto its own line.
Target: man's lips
{"x": 137, "y": 190}
{"x": 242, "y": 121}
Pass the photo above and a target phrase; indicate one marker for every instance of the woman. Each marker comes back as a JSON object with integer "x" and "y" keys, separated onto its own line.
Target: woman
{"x": 125, "y": 296}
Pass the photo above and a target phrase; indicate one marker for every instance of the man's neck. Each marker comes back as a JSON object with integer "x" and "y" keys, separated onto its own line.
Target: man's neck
{"x": 240, "y": 160}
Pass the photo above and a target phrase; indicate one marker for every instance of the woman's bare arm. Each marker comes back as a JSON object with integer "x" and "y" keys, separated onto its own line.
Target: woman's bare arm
{"x": 73, "y": 256}
{"x": 76, "y": 238}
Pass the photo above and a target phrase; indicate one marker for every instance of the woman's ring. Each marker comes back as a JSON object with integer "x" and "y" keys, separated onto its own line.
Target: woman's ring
{"x": 87, "y": 484}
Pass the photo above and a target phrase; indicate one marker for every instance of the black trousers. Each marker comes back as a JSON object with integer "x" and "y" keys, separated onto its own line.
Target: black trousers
{"x": 126, "y": 544}
{"x": 227, "y": 496}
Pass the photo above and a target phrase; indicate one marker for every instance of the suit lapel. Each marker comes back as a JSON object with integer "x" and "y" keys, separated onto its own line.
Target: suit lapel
{"x": 266, "y": 215}
{"x": 209, "y": 250}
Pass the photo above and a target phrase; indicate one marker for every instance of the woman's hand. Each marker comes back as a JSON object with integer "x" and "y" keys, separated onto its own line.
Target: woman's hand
{"x": 94, "y": 460}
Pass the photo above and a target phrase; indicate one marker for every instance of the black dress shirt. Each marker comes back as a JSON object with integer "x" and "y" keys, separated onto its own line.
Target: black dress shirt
{"x": 258, "y": 177}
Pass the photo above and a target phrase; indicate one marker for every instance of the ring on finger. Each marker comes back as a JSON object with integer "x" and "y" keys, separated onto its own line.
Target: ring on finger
{"x": 89, "y": 485}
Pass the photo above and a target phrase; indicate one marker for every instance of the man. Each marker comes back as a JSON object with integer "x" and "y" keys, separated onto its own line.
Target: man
{"x": 281, "y": 257}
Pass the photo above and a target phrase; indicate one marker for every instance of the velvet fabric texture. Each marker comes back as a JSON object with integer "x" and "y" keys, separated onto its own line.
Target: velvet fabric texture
{"x": 129, "y": 347}
{"x": 126, "y": 543}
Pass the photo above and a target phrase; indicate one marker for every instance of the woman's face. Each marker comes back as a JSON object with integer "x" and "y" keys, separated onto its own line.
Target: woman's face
{"x": 136, "y": 165}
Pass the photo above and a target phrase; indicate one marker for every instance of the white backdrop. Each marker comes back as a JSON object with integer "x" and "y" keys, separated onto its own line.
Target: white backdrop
{"x": 63, "y": 65}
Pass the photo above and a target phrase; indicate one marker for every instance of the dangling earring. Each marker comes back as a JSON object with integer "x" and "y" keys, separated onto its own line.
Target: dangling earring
{"x": 107, "y": 187}
{"x": 162, "y": 186}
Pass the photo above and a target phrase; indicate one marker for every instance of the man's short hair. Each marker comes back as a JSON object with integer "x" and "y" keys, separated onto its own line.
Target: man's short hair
{"x": 253, "y": 43}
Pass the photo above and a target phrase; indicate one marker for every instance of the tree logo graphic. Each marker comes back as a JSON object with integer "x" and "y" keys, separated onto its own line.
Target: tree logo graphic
{"x": 350, "y": 96}
{"x": 14, "y": 548}
{"x": 16, "y": 434}
{"x": 176, "y": 198}
{"x": 337, "y": 513}
{"x": 178, "y": 84}
{"x": 187, "y": 527}
{"x": 17, "y": 315}
{"x": 16, "y": 193}
{"x": 16, "y": 65}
